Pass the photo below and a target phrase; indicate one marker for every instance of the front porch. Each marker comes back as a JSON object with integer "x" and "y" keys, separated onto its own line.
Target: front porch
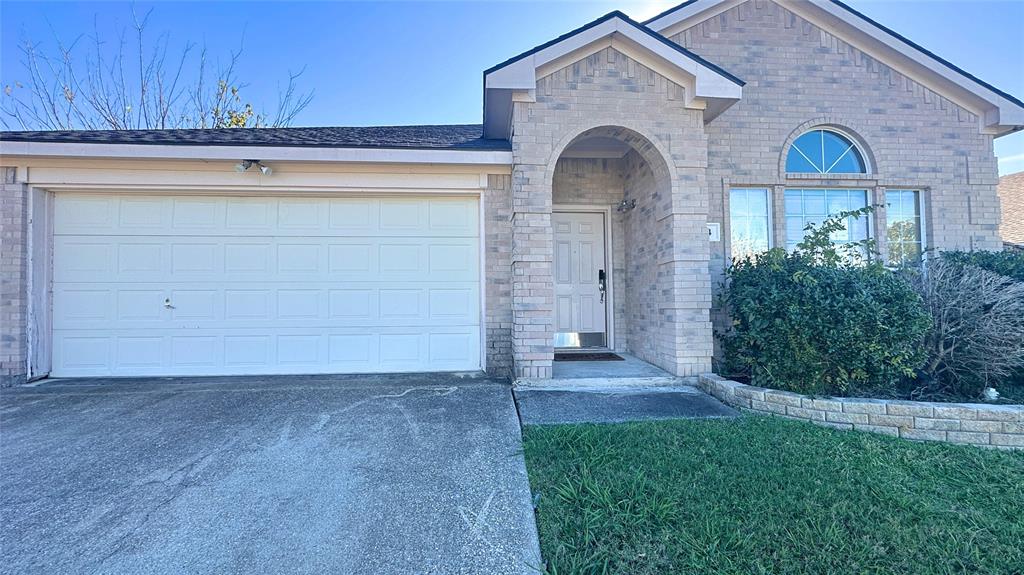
{"x": 614, "y": 257}
{"x": 604, "y": 374}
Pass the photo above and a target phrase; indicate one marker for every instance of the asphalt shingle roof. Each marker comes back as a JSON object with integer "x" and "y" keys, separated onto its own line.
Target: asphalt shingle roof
{"x": 1011, "y": 198}
{"x": 450, "y": 137}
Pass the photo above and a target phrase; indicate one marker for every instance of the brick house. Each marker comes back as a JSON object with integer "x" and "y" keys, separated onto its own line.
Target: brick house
{"x": 617, "y": 169}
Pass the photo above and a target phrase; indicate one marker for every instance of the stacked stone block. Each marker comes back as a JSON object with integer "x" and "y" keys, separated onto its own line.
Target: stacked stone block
{"x": 970, "y": 423}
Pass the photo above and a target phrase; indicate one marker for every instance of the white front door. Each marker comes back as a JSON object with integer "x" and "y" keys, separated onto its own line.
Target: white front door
{"x": 203, "y": 285}
{"x": 580, "y": 279}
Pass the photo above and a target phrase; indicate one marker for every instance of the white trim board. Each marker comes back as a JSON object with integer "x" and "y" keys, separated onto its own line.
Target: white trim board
{"x": 263, "y": 153}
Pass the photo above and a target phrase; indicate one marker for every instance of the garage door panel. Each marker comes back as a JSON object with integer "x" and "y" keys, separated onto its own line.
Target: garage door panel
{"x": 86, "y": 259}
{"x": 81, "y": 214}
{"x": 201, "y": 285}
{"x": 88, "y": 214}
{"x": 239, "y": 351}
{"x": 324, "y": 304}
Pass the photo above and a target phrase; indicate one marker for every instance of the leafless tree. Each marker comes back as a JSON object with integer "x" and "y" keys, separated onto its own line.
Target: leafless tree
{"x": 137, "y": 85}
{"x": 978, "y": 335}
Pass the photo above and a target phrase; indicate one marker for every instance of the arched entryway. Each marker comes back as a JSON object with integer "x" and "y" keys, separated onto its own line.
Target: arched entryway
{"x": 619, "y": 263}
{"x": 606, "y": 185}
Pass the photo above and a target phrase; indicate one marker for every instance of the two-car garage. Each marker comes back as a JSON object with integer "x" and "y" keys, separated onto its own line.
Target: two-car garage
{"x": 191, "y": 284}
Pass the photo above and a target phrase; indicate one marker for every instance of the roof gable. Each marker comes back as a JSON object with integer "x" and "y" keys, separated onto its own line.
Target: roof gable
{"x": 999, "y": 112}
{"x": 707, "y": 85}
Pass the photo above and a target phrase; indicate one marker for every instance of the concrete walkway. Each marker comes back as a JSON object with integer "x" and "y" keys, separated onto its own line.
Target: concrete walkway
{"x": 409, "y": 474}
{"x": 609, "y": 405}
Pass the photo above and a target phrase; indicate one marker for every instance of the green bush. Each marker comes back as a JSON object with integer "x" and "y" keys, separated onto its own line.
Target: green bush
{"x": 823, "y": 320}
{"x": 1007, "y": 263}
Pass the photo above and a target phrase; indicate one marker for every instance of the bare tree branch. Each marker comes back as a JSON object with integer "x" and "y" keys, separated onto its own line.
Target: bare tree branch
{"x": 135, "y": 84}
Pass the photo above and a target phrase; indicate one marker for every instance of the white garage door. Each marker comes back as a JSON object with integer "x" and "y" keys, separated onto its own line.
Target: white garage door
{"x": 199, "y": 285}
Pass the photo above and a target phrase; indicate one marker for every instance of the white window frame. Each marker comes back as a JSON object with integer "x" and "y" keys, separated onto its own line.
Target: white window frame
{"x": 869, "y": 218}
{"x": 770, "y": 214}
{"x": 922, "y": 225}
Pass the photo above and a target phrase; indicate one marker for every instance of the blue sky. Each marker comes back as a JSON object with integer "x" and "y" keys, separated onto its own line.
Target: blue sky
{"x": 421, "y": 62}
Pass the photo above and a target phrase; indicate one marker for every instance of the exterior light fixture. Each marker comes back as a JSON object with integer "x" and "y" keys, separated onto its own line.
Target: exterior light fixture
{"x": 626, "y": 205}
{"x": 244, "y": 165}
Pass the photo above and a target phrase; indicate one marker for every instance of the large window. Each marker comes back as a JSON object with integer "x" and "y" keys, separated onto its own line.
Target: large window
{"x": 903, "y": 226}
{"x": 823, "y": 151}
{"x": 805, "y": 207}
{"x": 748, "y": 222}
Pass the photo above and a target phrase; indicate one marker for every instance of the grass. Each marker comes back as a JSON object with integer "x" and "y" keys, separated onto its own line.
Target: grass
{"x": 766, "y": 495}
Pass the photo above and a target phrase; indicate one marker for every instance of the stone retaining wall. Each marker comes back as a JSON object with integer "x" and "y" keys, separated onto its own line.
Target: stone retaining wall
{"x": 999, "y": 426}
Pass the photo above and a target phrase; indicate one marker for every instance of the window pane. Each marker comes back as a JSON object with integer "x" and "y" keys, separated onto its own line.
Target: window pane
{"x": 842, "y": 235}
{"x": 814, "y": 202}
{"x": 738, "y": 203}
{"x": 903, "y": 227}
{"x": 794, "y": 229}
{"x": 757, "y": 203}
{"x": 808, "y": 149}
{"x": 759, "y": 232}
{"x": 837, "y": 203}
{"x": 816, "y": 205}
{"x": 908, "y": 201}
{"x": 797, "y": 164}
{"x": 794, "y": 202}
{"x": 748, "y": 222}
{"x": 824, "y": 152}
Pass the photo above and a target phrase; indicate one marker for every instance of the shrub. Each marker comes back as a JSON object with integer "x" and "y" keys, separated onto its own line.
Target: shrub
{"x": 822, "y": 319}
{"x": 978, "y": 336}
{"x": 1007, "y": 263}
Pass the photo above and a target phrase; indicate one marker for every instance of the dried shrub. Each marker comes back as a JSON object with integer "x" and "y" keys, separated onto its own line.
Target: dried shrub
{"x": 977, "y": 338}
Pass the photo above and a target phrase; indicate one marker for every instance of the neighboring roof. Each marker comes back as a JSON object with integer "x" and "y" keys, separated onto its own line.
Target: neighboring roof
{"x": 451, "y": 137}
{"x": 517, "y": 77}
{"x": 1004, "y": 113}
{"x": 1011, "y": 199}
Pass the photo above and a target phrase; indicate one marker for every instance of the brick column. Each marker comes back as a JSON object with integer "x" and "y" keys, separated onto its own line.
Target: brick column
{"x": 688, "y": 340}
{"x": 13, "y": 279}
{"x": 533, "y": 289}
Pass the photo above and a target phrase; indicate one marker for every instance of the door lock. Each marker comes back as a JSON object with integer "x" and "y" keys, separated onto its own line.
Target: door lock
{"x": 601, "y": 284}
{"x": 167, "y": 304}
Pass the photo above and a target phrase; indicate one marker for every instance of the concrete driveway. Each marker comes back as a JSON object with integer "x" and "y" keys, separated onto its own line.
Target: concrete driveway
{"x": 399, "y": 474}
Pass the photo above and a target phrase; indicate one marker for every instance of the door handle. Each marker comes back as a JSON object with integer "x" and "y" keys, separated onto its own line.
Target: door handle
{"x": 167, "y": 304}
{"x": 601, "y": 283}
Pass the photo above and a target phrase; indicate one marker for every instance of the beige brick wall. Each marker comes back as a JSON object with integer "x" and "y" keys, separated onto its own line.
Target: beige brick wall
{"x": 13, "y": 279}
{"x": 799, "y": 76}
{"x": 498, "y": 263}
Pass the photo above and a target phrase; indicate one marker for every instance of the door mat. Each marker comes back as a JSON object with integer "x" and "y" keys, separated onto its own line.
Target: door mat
{"x": 594, "y": 356}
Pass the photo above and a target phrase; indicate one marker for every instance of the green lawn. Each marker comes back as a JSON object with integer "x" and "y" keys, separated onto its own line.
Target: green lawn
{"x": 767, "y": 495}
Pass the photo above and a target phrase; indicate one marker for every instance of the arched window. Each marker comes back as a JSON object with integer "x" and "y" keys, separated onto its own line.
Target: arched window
{"x": 824, "y": 151}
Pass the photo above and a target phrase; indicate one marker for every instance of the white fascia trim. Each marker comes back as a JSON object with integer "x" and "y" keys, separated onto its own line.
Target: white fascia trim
{"x": 264, "y": 153}
{"x": 523, "y": 74}
{"x": 1000, "y": 114}
{"x": 683, "y": 18}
